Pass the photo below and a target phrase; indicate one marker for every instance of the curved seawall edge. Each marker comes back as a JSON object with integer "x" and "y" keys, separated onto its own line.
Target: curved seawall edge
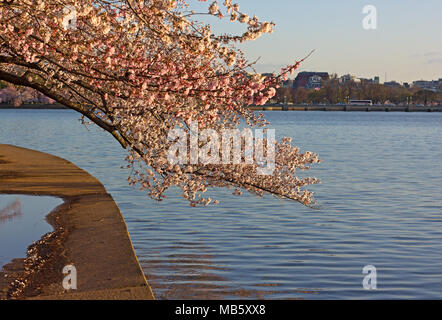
{"x": 90, "y": 232}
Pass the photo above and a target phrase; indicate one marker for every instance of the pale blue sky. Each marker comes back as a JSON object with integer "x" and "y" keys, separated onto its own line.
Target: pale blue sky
{"x": 406, "y": 46}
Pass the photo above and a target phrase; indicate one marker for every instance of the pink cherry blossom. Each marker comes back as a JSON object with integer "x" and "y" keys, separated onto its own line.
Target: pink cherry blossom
{"x": 138, "y": 69}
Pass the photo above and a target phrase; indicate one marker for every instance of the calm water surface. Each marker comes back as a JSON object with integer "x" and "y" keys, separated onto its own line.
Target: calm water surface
{"x": 22, "y": 221}
{"x": 381, "y": 205}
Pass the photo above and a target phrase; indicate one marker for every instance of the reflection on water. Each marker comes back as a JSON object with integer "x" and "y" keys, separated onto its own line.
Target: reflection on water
{"x": 22, "y": 221}
{"x": 11, "y": 211}
{"x": 380, "y": 195}
{"x": 197, "y": 276}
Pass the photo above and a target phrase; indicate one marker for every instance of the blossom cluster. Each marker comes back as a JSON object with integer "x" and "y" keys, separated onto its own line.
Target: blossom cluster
{"x": 139, "y": 68}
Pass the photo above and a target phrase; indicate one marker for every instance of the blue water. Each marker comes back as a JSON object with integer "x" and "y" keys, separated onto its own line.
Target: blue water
{"x": 381, "y": 205}
{"x": 22, "y": 221}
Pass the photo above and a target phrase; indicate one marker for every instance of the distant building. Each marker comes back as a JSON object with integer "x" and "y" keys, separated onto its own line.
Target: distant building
{"x": 314, "y": 82}
{"x": 348, "y": 78}
{"x": 268, "y": 75}
{"x": 392, "y": 84}
{"x": 288, "y": 83}
{"x": 305, "y": 79}
{"x": 428, "y": 85}
{"x": 366, "y": 81}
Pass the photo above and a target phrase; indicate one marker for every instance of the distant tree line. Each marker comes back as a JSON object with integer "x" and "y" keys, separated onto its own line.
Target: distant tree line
{"x": 334, "y": 92}
{"x": 16, "y": 95}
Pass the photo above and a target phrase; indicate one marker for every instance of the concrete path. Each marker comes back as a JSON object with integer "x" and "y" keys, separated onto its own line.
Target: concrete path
{"x": 90, "y": 232}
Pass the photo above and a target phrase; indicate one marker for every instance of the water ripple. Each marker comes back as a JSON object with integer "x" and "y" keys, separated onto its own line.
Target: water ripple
{"x": 380, "y": 198}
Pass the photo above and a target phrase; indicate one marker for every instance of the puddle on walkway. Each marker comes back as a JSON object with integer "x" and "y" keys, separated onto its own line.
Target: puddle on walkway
{"x": 22, "y": 221}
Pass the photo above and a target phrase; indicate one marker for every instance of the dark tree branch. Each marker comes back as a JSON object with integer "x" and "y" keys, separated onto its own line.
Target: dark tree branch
{"x": 23, "y": 81}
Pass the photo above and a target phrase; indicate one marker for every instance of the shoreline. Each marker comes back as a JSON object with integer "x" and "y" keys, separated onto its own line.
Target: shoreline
{"x": 276, "y": 107}
{"x": 34, "y": 106}
{"x": 89, "y": 232}
{"x": 345, "y": 108}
